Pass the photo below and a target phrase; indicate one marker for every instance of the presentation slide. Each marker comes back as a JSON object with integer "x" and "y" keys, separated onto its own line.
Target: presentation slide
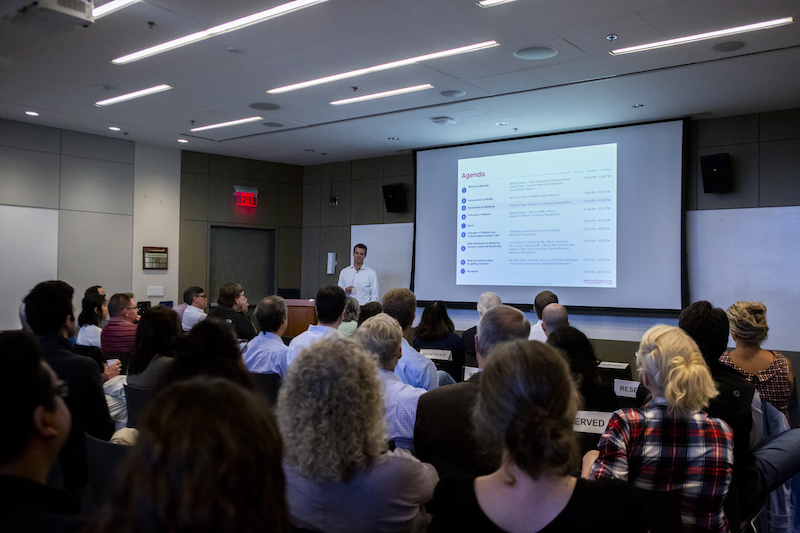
{"x": 544, "y": 218}
{"x": 595, "y": 216}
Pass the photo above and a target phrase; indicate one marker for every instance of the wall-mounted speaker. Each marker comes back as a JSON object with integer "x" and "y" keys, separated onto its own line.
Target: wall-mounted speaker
{"x": 394, "y": 195}
{"x": 716, "y": 170}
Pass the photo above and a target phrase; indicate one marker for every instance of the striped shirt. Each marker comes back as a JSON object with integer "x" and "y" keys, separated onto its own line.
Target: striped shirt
{"x": 118, "y": 336}
{"x": 656, "y": 450}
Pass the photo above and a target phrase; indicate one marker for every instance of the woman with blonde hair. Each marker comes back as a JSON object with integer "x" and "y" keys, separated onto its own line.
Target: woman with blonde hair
{"x": 350, "y": 320}
{"x": 669, "y": 444}
{"x": 769, "y": 371}
{"x": 525, "y": 412}
{"x": 339, "y": 476}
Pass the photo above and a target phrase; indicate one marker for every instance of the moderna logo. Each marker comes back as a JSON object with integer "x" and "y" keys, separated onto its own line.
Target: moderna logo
{"x": 465, "y": 176}
{"x": 597, "y": 282}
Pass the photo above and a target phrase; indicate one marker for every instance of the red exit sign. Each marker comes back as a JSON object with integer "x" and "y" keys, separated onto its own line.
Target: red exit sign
{"x": 247, "y": 199}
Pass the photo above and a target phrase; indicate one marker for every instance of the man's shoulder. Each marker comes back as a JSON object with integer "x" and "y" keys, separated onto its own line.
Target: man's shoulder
{"x": 267, "y": 342}
{"x": 449, "y": 394}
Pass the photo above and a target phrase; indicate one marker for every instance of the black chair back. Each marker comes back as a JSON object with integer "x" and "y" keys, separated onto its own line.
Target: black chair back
{"x": 137, "y": 399}
{"x": 104, "y": 461}
{"x": 663, "y": 510}
{"x": 269, "y": 384}
{"x": 93, "y": 352}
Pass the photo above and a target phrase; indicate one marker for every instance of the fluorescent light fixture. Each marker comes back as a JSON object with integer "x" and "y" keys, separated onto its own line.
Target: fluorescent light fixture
{"x": 110, "y": 7}
{"x": 226, "y": 124}
{"x": 383, "y": 94}
{"x": 704, "y": 36}
{"x": 131, "y": 96}
{"x": 385, "y": 66}
{"x": 115, "y": 128}
{"x": 183, "y": 141}
{"x": 32, "y": 113}
{"x": 217, "y": 30}
{"x": 490, "y": 3}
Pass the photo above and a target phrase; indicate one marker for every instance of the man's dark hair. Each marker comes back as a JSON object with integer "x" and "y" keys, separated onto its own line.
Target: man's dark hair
{"x": 88, "y": 306}
{"x": 25, "y": 384}
{"x": 400, "y": 304}
{"x": 118, "y": 303}
{"x": 330, "y": 303}
{"x": 542, "y": 300}
{"x": 48, "y": 305}
{"x": 270, "y": 313}
{"x": 359, "y": 245}
{"x": 190, "y": 293}
{"x": 708, "y": 326}
{"x": 93, "y": 290}
{"x": 228, "y": 293}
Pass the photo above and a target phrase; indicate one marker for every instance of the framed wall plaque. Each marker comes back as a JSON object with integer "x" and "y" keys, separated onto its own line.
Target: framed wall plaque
{"x": 154, "y": 258}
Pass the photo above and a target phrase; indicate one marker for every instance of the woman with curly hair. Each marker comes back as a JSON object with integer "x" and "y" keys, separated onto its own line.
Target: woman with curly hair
{"x": 769, "y": 371}
{"x": 669, "y": 444}
{"x": 339, "y": 476}
{"x": 207, "y": 460}
{"x": 525, "y": 412}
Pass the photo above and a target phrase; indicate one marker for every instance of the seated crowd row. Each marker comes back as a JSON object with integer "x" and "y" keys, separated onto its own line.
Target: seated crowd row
{"x": 368, "y": 434}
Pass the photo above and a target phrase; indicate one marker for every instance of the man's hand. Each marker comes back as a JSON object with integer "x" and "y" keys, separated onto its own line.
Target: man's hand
{"x": 113, "y": 370}
{"x": 349, "y": 290}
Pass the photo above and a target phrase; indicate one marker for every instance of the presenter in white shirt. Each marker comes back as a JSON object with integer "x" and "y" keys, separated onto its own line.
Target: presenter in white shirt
{"x": 359, "y": 281}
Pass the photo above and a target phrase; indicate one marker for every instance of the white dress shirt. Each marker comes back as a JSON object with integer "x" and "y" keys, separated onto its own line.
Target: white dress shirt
{"x": 365, "y": 281}
{"x": 192, "y": 316}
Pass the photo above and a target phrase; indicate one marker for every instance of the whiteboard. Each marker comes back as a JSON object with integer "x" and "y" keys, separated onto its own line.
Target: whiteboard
{"x": 389, "y": 252}
{"x": 29, "y": 244}
{"x": 749, "y": 255}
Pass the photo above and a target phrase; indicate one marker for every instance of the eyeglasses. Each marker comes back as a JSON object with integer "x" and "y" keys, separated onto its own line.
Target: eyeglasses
{"x": 61, "y": 389}
{"x": 134, "y": 307}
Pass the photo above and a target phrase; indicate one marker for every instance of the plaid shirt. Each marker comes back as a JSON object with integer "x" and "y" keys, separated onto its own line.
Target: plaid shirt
{"x": 656, "y": 450}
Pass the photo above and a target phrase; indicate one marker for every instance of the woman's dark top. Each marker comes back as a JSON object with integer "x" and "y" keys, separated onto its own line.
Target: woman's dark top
{"x": 453, "y": 343}
{"x": 605, "y": 505}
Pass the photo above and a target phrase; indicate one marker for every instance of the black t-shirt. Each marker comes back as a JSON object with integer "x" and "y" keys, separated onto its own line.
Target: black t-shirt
{"x": 605, "y": 505}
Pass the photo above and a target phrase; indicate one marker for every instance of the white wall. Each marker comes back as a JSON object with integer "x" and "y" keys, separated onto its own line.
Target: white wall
{"x": 156, "y": 218}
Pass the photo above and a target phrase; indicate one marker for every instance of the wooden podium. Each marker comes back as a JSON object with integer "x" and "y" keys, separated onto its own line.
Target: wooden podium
{"x": 301, "y": 315}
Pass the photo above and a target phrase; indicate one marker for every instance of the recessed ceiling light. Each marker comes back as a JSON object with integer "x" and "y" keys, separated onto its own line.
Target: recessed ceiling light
{"x": 32, "y": 113}
{"x": 226, "y": 124}
{"x": 114, "y": 128}
{"x": 443, "y": 121}
{"x": 265, "y": 106}
{"x": 502, "y": 124}
{"x": 131, "y": 96}
{"x": 490, "y": 3}
{"x": 217, "y": 30}
{"x": 704, "y": 36}
{"x": 729, "y": 46}
{"x": 384, "y": 94}
{"x": 535, "y": 53}
{"x": 385, "y": 66}
{"x": 183, "y": 141}
{"x": 110, "y": 7}
{"x": 452, "y": 93}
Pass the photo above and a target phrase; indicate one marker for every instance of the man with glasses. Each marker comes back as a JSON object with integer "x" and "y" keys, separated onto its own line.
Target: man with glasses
{"x": 36, "y": 425}
{"x": 119, "y": 335}
{"x": 194, "y": 311}
{"x": 48, "y": 308}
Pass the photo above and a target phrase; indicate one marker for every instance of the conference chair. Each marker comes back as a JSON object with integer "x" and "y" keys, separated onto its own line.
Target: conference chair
{"x": 137, "y": 399}
{"x": 269, "y": 385}
{"x": 104, "y": 460}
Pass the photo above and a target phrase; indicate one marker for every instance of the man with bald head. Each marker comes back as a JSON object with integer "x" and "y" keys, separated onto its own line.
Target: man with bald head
{"x": 443, "y": 431}
{"x": 487, "y": 301}
{"x": 554, "y": 316}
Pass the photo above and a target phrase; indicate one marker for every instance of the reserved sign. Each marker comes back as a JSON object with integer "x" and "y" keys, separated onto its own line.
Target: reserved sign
{"x": 591, "y": 422}
{"x": 470, "y": 371}
{"x": 628, "y": 389}
{"x": 613, "y": 366}
{"x": 438, "y": 355}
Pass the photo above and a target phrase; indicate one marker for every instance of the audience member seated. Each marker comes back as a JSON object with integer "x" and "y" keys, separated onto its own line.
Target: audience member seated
{"x": 524, "y": 416}
{"x": 266, "y": 353}
{"x": 770, "y": 371}
{"x": 486, "y": 301}
{"x": 36, "y": 424}
{"x": 207, "y": 459}
{"x": 596, "y": 396}
{"x": 369, "y": 310}
{"x": 350, "y": 320}
{"x": 194, "y": 311}
{"x": 413, "y": 368}
{"x": 436, "y": 332}
{"x": 232, "y": 308}
{"x": 50, "y": 314}
{"x": 119, "y": 334}
{"x": 759, "y": 465}
{"x": 542, "y": 300}
{"x": 443, "y": 434}
{"x": 339, "y": 476}
{"x": 99, "y": 290}
{"x": 670, "y": 444}
{"x": 329, "y": 305}
{"x": 154, "y": 350}
{"x": 382, "y": 336}
{"x": 94, "y": 309}
{"x": 188, "y": 295}
{"x": 209, "y": 349}
{"x": 554, "y": 316}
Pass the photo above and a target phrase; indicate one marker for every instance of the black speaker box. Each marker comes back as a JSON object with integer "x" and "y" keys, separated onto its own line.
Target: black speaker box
{"x": 716, "y": 170}
{"x": 394, "y": 195}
